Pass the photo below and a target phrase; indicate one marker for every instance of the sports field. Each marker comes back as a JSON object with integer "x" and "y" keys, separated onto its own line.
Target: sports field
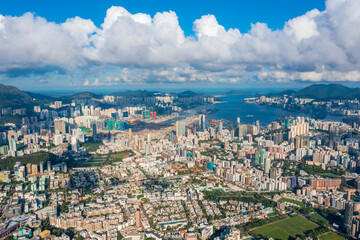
{"x": 331, "y": 236}
{"x": 284, "y": 228}
{"x": 316, "y": 216}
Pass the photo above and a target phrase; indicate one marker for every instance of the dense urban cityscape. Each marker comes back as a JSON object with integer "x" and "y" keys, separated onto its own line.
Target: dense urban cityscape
{"x": 156, "y": 167}
{"x": 180, "y": 120}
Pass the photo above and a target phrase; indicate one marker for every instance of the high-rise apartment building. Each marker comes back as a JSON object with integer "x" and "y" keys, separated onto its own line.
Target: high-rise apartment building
{"x": 180, "y": 128}
{"x": 348, "y": 217}
{"x": 12, "y": 145}
{"x": 202, "y": 122}
{"x": 220, "y": 128}
{"x": 267, "y": 166}
{"x": 59, "y": 126}
{"x": 242, "y": 131}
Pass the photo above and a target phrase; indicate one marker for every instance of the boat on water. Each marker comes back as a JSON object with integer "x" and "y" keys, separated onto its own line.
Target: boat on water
{"x": 250, "y": 116}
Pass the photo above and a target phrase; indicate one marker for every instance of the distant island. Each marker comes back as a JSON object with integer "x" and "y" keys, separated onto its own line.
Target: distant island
{"x": 238, "y": 92}
{"x": 323, "y": 92}
{"x": 317, "y": 101}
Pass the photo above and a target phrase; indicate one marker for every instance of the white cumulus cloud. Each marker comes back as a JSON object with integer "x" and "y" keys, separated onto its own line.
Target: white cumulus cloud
{"x": 317, "y": 46}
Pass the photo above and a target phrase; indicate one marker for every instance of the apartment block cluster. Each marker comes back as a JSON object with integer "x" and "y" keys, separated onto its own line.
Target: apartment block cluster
{"x": 62, "y": 123}
{"x": 154, "y": 188}
{"x": 96, "y": 219}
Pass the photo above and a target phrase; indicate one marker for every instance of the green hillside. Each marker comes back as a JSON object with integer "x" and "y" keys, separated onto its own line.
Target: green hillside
{"x": 324, "y": 92}
{"x": 13, "y": 97}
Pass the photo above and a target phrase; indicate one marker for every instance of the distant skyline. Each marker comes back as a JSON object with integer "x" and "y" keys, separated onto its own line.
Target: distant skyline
{"x": 226, "y": 44}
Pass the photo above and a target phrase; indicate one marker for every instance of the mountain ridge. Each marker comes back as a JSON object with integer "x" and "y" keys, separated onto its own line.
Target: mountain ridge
{"x": 323, "y": 92}
{"x": 11, "y": 96}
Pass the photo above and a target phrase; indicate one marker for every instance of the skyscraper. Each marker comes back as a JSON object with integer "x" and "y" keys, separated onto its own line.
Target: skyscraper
{"x": 194, "y": 129}
{"x": 60, "y": 126}
{"x": 297, "y": 142}
{"x": 346, "y": 160}
{"x": 258, "y": 125}
{"x": 58, "y": 139}
{"x": 262, "y": 156}
{"x": 202, "y": 122}
{"x": 94, "y": 130}
{"x": 331, "y": 138}
{"x": 172, "y": 137}
{"x": 12, "y": 145}
{"x": 147, "y": 148}
{"x": 242, "y": 131}
{"x": 180, "y": 128}
{"x": 267, "y": 166}
{"x": 74, "y": 143}
{"x": 220, "y": 128}
{"x": 348, "y": 218}
{"x": 41, "y": 167}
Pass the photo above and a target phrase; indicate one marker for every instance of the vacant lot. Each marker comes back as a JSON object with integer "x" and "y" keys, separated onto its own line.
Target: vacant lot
{"x": 285, "y": 228}
{"x": 300, "y": 204}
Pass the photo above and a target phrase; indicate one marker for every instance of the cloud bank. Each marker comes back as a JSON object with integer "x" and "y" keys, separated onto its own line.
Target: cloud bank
{"x": 317, "y": 46}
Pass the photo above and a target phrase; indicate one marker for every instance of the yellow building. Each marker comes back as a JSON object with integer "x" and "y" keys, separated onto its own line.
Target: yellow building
{"x": 45, "y": 234}
{"x": 4, "y": 176}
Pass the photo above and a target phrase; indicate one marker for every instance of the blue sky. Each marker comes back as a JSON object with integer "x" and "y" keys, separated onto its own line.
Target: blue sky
{"x": 230, "y": 13}
{"x": 129, "y": 44}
